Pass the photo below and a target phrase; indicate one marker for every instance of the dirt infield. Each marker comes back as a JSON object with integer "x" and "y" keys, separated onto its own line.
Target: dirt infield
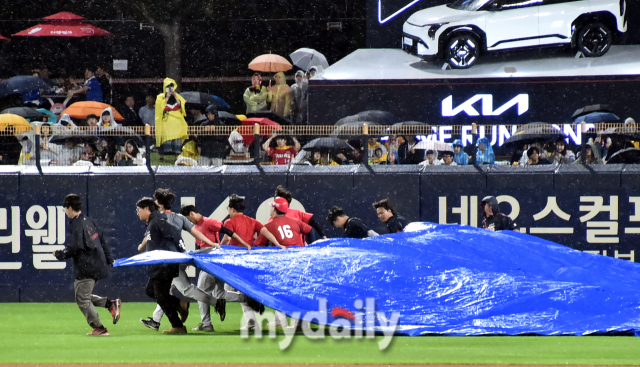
{"x": 268, "y": 365}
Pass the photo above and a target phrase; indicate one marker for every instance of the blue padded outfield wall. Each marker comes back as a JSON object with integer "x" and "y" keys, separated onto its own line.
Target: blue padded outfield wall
{"x": 586, "y": 209}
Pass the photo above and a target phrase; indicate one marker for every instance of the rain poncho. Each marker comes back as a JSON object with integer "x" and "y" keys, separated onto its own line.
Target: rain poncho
{"x": 170, "y": 125}
{"x": 373, "y": 158}
{"x": 299, "y": 100}
{"x": 68, "y": 122}
{"x": 486, "y": 157}
{"x": 436, "y": 161}
{"x": 112, "y": 123}
{"x": 255, "y": 98}
{"x": 190, "y": 148}
{"x": 280, "y": 97}
{"x": 462, "y": 158}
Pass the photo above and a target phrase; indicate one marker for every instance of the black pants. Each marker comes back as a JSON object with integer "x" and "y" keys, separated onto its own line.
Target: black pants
{"x": 158, "y": 289}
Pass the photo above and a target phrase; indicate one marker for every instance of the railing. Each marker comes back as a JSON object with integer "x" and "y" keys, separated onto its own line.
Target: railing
{"x": 59, "y": 145}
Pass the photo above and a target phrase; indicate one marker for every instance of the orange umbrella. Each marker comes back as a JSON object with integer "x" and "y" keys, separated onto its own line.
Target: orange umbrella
{"x": 80, "y": 110}
{"x": 270, "y": 63}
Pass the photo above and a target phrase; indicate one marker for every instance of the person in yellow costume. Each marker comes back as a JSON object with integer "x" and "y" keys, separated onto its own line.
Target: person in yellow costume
{"x": 280, "y": 96}
{"x": 171, "y": 128}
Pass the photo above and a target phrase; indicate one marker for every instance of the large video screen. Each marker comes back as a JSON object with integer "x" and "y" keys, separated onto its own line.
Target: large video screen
{"x": 386, "y": 17}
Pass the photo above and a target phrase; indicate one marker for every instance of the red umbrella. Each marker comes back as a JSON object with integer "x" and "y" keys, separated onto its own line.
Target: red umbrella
{"x": 3, "y": 38}
{"x": 266, "y": 128}
{"x": 63, "y": 25}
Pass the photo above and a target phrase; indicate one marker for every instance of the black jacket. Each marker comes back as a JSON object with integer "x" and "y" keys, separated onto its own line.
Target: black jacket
{"x": 131, "y": 118}
{"x": 397, "y": 223}
{"x": 355, "y": 228}
{"x": 161, "y": 235}
{"x": 406, "y": 157}
{"x": 214, "y": 146}
{"x": 86, "y": 246}
{"x": 10, "y": 149}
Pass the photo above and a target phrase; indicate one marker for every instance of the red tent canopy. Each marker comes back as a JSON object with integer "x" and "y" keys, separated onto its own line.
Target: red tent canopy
{"x": 63, "y": 25}
{"x": 266, "y": 128}
{"x": 63, "y": 16}
{"x": 3, "y": 38}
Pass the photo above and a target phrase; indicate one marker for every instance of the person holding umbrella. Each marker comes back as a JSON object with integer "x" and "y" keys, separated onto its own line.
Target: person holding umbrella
{"x": 279, "y": 96}
{"x": 299, "y": 99}
{"x": 255, "y": 97}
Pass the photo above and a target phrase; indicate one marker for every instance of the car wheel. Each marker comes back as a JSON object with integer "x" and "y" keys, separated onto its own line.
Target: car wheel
{"x": 462, "y": 51}
{"x": 594, "y": 39}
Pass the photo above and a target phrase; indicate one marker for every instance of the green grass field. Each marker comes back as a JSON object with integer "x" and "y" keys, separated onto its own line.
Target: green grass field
{"x": 55, "y": 333}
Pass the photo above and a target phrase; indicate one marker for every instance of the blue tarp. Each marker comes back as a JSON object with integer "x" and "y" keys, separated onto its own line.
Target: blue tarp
{"x": 439, "y": 279}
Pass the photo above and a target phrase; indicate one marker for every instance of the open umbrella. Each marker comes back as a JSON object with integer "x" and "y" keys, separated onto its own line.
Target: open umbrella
{"x": 199, "y": 98}
{"x": 21, "y": 125}
{"x": 269, "y": 115}
{"x": 597, "y": 117}
{"x": 434, "y": 145}
{"x": 629, "y": 133}
{"x": 330, "y": 143}
{"x": 228, "y": 118}
{"x": 63, "y": 25}
{"x": 122, "y": 131}
{"x": 629, "y": 155}
{"x": 270, "y": 63}
{"x": 20, "y": 84}
{"x": 350, "y": 129}
{"x": 80, "y": 110}
{"x": 592, "y": 108}
{"x": 222, "y": 104}
{"x": 379, "y": 117}
{"x": 26, "y": 112}
{"x": 3, "y": 38}
{"x": 304, "y": 58}
{"x": 266, "y": 128}
{"x": 535, "y": 132}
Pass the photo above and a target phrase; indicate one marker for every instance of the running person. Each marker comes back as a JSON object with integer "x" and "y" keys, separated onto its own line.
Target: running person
{"x": 164, "y": 199}
{"x": 353, "y": 227}
{"x": 247, "y": 228}
{"x": 388, "y": 215}
{"x": 207, "y": 283}
{"x": 290, "y": 232}
{"x": 299, "y": 214}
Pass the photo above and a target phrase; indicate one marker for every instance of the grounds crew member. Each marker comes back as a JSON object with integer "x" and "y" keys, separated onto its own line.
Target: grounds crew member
{"x": 299, "y": 214}
{"x": 162, "y": 236}
{"x": 91, "y": 260}
{"x": 387, "y": 214}
{"x": 493, "y": 219}
{"x": 353, "y": 227}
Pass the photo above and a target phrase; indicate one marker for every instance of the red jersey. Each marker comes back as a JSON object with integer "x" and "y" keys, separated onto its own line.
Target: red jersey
{"x": 245, "y": 227}
{"x": 282, "y": 156}
{"x": 299, "y": 215}
{"x": 210, "y": 228}
{"x": 288, "y": 231}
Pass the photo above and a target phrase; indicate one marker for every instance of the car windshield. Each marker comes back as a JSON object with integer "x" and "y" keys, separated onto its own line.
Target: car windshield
{"x": 469, "y": 5}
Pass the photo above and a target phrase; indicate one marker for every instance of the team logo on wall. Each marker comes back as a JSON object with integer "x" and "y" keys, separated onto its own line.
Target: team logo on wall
{"x": 521, "y": 101}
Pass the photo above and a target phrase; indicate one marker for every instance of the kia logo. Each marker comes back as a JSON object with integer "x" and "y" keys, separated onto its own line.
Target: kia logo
{"x": 521, "y": 100}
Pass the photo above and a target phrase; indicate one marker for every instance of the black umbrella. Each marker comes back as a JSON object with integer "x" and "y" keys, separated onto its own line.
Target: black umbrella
{"x": 20, "y": 84}
{"x": 26, "y": 112}
{"x": 124, "y": 132}
{"x": 330, "y": 143}
{"x": 269, "y": 115}
{"x": 535, "y": 132}
{"x": 199, "y": 98}
{"x": 350, "y": 129}
{"x": 629, "y": 155}
{"x": 229, "y": 118}
{"x": 78, "y": 139}
{"x": 592, "y": 108}
{"x": 379, "y": 117}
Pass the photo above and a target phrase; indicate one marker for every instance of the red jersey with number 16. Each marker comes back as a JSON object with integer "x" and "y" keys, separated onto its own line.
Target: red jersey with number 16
{"x": 288, "y": 231}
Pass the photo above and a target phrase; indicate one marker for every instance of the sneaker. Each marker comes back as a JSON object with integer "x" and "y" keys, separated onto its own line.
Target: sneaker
{"x": 221, "y": 308}
{"x": 183, "y": 310}
{"x": 249, "y": 326}
{"x": 207, "y": 328}
{"x": 176, "y": 330}
{"x": 99, "y": 331}
{"x": 150, "y": 323}
{"x": 275, "y": 324}
{"x": 115, "y": 310}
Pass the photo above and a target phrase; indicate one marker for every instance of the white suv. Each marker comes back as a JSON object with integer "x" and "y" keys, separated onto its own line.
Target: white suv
{"x": 461, "y": 31}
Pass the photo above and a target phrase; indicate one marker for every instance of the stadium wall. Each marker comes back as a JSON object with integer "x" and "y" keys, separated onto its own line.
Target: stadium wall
{"x": 592, "y": 209}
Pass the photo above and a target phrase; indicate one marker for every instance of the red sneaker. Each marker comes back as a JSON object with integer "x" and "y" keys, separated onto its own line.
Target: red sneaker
{"x": 115, "y": 310}
{"x": 99, "y": 331}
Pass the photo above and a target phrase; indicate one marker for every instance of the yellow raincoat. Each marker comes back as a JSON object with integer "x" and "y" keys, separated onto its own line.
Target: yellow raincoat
{"x": 280, "y": 97}
{"x": 170, "y": 125}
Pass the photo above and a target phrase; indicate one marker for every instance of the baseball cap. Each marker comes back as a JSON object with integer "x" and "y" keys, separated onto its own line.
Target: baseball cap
{"x": 281, "y": 204}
